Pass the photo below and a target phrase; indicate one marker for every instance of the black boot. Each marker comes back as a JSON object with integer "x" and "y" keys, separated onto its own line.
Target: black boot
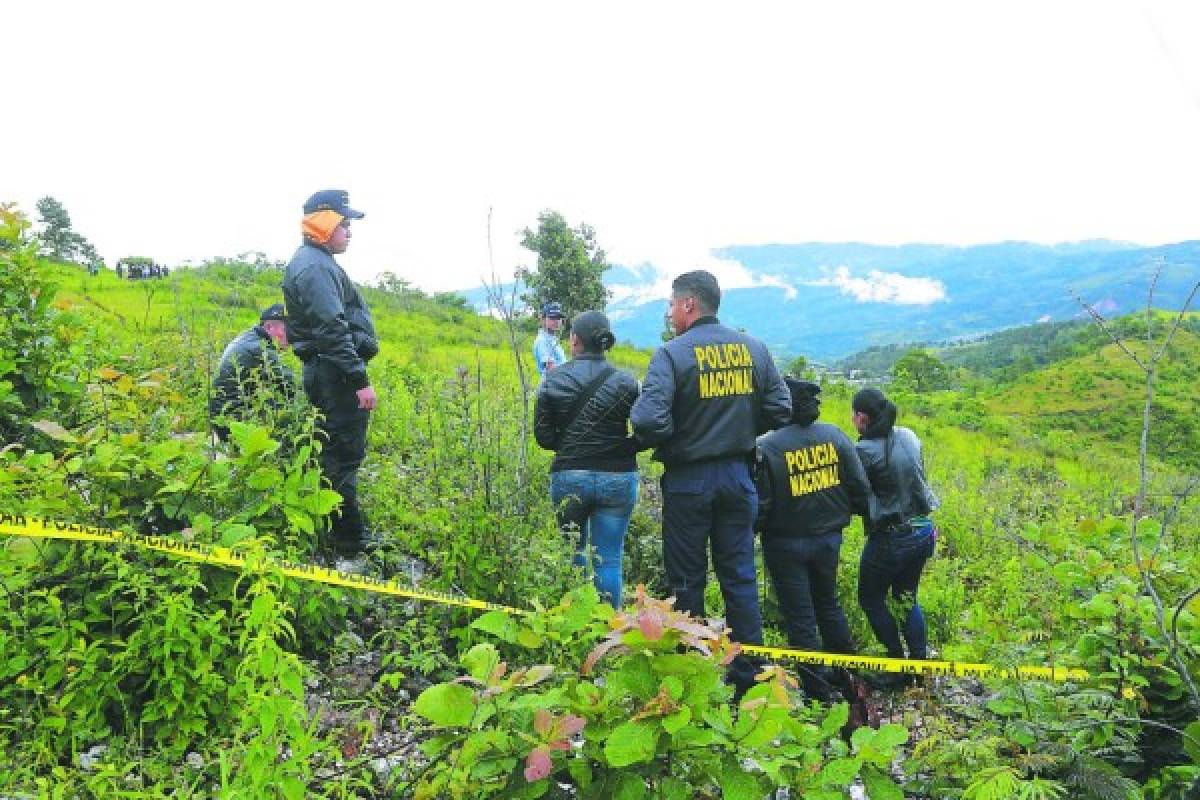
{"x": 351, "y": 536}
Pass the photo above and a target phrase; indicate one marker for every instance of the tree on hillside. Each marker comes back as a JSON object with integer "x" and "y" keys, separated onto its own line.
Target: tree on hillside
{"x": 921, "y": 371}
{"x": 570, "y": 266}
{"x": 799, "y": 367}
{"x": 59, "y": 241}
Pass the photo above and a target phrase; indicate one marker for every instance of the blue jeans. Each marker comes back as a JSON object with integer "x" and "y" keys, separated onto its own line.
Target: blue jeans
{"x": 598, "y": 505}
{"x": 893, "y": 562}
{"x": 712, "y": 504}
{"x": 803, "y": 570}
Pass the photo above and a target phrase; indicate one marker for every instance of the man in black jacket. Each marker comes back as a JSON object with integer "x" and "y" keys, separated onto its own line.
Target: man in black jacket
{"x": 810, "y": 482}
{"x": 707, "y": 394}
{"x": 332, "y": 332}
{"x": 251, "y": 371}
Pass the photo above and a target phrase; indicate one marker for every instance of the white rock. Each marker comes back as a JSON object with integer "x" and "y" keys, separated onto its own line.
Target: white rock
{"x": 384, "y": 766}
{"x": 92, "y": 756}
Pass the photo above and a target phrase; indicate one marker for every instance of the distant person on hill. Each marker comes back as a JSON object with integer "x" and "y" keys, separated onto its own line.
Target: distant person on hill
{"x": 708, "y": 393}
{"x": 120, "y": 270}
{"x": 331, "y": 331}
{"x": 251, "y": 371}
{"x": 810, "y": 483}
{"x": 547, "y": 350}
{"x": 582, "y": 414}
{"x": 900, "y": 534}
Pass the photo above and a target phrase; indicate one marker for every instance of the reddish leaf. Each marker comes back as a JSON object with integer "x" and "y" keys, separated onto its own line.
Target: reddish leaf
{"x": 537, "y": 765}
{"x": 572, "y": 725}
{"x": 650, "y": 625}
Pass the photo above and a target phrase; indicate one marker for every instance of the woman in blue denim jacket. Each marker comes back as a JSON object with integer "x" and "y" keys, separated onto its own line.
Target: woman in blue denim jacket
{"x": 582, "y": 414}
{"x": 900, "y": 534}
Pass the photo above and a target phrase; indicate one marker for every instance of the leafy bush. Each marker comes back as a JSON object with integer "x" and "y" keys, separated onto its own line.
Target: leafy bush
{"x": 648, "y": 716}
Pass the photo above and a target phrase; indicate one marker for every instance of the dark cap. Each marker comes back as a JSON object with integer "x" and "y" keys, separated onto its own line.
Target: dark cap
{"x": 332, "y": 200}
{"x": 805, "y": 389}
{"x": 553, "y": 310}
{"x": 276, "y": 311}
{"x": 593, "y": 330}
{"x": 806, "y": 400}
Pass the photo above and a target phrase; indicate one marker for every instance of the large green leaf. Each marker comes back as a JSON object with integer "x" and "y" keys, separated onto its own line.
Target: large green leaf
{"x": 636, "y": 677}
{"x": 674, "y": 789}
{"x": 840, "y": 772}
{"x": 1191, "y": 741}
{"x": 448, "y": 705}
{"x": 739, "y": 785}
{"x": 631, "y": 743}
{"x": 630, "y": 787}
{"x": 480, "y": 660}
{"x": 499, "y": 624}
{"x": 880, "y": 786}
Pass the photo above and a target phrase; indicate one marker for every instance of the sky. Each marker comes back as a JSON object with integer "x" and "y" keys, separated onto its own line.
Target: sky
{"x": 183, "y": 132}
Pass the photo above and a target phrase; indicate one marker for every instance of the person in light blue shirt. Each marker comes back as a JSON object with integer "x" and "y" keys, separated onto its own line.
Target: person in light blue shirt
{"x": 547, "y": 350}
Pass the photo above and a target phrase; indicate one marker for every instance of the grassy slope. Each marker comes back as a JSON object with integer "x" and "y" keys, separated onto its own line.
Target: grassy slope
{"x": 215, "y": 303}
{"x": 1100, "y": 395}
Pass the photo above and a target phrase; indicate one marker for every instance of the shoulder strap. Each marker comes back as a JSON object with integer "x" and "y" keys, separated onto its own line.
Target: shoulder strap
{"x": 588, "y": 392}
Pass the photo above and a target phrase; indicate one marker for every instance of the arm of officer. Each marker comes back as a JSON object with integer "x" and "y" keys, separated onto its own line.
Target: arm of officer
{"x": 544, "y": 430}
{"x": 765, "y": 489}
{"x": 854, "y": 478}
{"x": 334, "y": 340}
{"x": 777, "y": 400}
{"x": 632, "y": 445}
{"x": 651, "y": 413}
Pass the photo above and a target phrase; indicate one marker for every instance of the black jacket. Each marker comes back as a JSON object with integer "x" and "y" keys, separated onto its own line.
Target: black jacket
{"x": 250, "y": 364}
{"x": 707, "y": 394}
{"x": 327, "y": 316}
{"x": 810, "y": 481}
{"x": 896, "y": 469}
{"x": 598, "y": 439}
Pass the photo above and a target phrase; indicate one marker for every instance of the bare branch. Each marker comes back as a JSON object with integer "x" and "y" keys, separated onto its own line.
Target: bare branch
{"x": 1139, "y": 504}
{"x": 1103, "y": 323}
{"x": 1178, "y": 321}
{"x": 1187, "y": 598}
{"x": 507, "y": 311}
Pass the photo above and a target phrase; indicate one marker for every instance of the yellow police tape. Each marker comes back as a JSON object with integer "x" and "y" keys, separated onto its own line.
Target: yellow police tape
{"x": 34, "y": 527}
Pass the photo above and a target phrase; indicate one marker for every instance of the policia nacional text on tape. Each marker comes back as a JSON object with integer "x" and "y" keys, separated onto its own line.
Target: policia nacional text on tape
{"x": 34, "y": 527}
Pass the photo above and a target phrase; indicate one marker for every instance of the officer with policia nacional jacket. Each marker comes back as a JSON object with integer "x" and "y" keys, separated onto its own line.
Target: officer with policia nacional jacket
{"x": 810, "y": 483}
{"x": 251, "y": 371}
{"x": 708, "y": 393}
{"x": 332, "y": 332}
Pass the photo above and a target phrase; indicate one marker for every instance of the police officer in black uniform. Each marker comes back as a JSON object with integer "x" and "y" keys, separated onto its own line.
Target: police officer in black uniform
{"x": 810, "y": 482}
{"x": 251, "y": 371}
{"x": 332, "y": 332}
{"x": 707, "y": 394}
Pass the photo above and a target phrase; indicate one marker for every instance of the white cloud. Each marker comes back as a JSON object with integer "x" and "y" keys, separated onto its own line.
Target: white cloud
{"x": 655, "y": 279}
{"x": 885, "y": 287}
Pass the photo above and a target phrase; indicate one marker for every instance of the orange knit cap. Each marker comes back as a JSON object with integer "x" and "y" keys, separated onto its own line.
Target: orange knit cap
{"x": 320, "y": 225}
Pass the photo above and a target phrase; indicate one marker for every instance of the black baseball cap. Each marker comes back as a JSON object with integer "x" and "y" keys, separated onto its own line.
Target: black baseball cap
{"x": 274, "y": 311}
{"x": 553, "y": 311}
{"x": 332, "y": 200}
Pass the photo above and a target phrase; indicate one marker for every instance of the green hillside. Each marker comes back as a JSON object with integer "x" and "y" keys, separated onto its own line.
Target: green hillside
{"x": 1010, "y": 353}
{"x": 1100, "y": 396}
{"x": 129, "y": 673}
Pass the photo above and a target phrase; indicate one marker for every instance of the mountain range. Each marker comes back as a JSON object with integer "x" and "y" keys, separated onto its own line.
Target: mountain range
{"x": 828, "y": 300}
